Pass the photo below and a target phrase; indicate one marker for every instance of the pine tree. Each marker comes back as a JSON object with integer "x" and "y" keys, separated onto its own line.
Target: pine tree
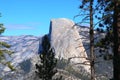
{"x": 116, "y": 32}
{"x": 92, "y": 55}
{"x": 111, "y": 19}
{"x": 46, "y": 69}
{"x": 89, "y": 18}
{"x": 4, "y": 49}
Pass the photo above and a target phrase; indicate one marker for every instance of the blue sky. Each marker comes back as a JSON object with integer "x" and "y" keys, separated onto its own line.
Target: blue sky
{"x": 32, "y": 17}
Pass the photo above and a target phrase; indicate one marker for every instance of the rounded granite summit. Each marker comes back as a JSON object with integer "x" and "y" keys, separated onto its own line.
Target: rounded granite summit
{"x": 63, "y": 21}
{"x": 66, "y": 41}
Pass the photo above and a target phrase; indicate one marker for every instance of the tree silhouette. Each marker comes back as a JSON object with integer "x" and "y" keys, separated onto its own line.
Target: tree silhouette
{"x": 89, "y": 18}
{"x": 111, "y": 20}
{"x": 46, "y": 69}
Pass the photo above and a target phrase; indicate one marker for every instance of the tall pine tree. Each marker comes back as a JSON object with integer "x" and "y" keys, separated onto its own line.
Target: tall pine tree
{"x": 116, "y": 32}
{"x": 46, "y": 69}
{"x": 87, "y": 5}
{"x": 3, "y": 50}
{"x": 111, "y": 19}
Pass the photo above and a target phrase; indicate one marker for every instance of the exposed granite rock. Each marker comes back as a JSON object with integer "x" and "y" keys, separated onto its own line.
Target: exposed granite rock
{"x": 24, "y": 47}
{"x": 65, "y": 39}
{"x": 103, "y": 68}
{"x": 23, "y": 59}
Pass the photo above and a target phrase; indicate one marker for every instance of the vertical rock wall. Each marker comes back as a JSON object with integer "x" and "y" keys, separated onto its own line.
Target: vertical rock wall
{"x": 65, "y": 39}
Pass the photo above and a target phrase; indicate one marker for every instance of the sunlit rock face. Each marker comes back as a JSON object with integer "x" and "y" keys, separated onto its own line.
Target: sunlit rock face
{"x": 24, "y": 47}
{"x": 66, "y": 41}
{"x": 24, "y": 58}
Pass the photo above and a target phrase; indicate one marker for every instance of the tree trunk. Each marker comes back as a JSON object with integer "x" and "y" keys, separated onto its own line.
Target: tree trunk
{"x": 92, "y": 42}
{"x": 116, "y": 32}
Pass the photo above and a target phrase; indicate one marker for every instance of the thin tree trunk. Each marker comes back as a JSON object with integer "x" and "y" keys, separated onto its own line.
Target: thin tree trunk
{"x": 92, "y": 42}
{"x": 116, "y": 32}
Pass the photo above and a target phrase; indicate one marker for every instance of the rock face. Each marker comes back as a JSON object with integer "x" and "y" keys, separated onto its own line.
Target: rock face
{"x": 24, "y": 58}
{"x": 104, "y": 68}
{"x": 65, "y": 39}
{"x": 84, "y": 35}
{"x": 24, "y": 47}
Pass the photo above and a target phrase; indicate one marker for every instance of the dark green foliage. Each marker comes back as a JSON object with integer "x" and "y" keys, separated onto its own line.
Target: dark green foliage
{"x": 2, "y": 29}
{"x": 106, "y": 42}
{"x": 105, "y": 25}
{"x": 10, "y": 66}
{"x": 3, "y": 49}
{"x": 105, "y": 7}
{"x": 46, "y": 69}
{"x": 111, "y": 19}
{"x": 3, "y": 45}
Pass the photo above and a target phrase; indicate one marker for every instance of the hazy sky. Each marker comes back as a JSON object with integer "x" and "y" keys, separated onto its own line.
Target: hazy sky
{"x": 32, "y": 17}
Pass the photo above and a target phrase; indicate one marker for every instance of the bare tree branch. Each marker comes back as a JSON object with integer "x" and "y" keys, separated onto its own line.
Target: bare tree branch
{"x": 84, "y": 63}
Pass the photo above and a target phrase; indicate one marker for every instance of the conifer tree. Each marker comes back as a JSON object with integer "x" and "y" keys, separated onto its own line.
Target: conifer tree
{"x": 111, "y": 19}
{"x": 87, "y": 5}
{"x": 3, "y": 49}
{"x": 116, "y": 32}
{"x": 46, "y": 69}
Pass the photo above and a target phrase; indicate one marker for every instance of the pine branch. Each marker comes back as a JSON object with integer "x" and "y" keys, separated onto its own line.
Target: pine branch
{"x": 4, "y": 44}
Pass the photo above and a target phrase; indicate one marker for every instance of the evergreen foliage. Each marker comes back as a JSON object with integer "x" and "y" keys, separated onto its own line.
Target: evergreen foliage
{"x": 111, "y": 20}
{"x": 10, "y": 66}
{"x": 46, "y": 69}
{"x": 4, "y": 49}
{"x": 2, "y": 29}
{"x": 106, "y": 8}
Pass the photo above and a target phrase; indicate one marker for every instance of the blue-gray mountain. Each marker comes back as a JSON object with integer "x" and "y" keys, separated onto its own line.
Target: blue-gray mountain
{"x": 66, "y": 38}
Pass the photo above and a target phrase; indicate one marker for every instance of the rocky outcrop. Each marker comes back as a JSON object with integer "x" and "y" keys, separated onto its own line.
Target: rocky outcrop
{"x": 66, "y": 41}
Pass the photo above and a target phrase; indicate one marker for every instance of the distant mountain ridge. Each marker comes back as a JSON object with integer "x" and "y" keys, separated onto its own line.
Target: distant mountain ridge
{"x": 27, "y": 47}
{"x": 24, "y": 46}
